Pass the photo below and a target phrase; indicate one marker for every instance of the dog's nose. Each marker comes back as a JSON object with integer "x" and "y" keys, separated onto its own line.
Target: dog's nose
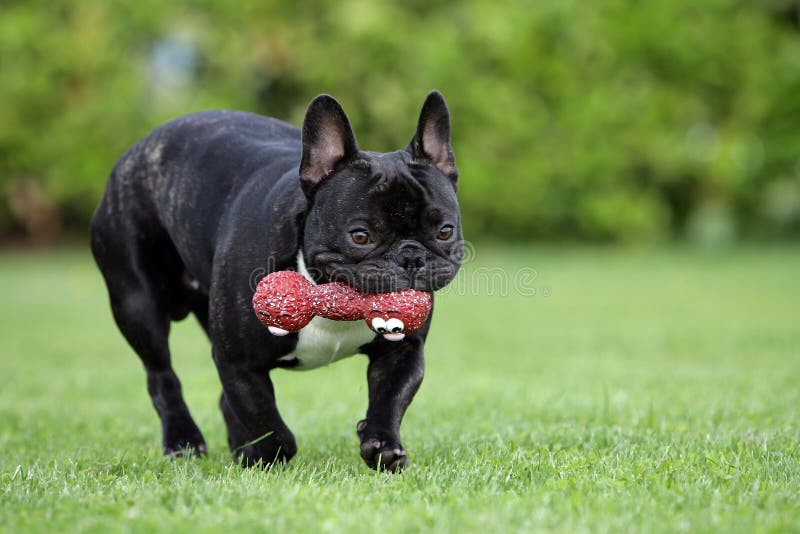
{"x": 410, "y": 258}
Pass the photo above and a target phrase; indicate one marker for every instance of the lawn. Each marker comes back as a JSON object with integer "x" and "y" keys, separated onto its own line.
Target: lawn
{"x": 606, "y": 391}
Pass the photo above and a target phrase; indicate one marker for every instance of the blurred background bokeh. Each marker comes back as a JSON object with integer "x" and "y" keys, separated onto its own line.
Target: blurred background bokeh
{"x": 616, "y": 121}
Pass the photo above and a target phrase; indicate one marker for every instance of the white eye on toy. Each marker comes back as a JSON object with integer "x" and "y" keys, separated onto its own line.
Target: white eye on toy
{"x": 379, "y": 325}
{"x": 395, "y": 325}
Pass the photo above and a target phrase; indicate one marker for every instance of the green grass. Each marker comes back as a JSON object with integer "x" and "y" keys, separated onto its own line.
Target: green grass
{"x": 646, "y": 390}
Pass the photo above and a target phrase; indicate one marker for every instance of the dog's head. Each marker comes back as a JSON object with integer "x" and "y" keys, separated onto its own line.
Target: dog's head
{"x": 380, "y": 222}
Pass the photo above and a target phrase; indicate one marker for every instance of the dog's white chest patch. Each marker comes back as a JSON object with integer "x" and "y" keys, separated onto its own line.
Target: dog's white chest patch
{"x": 324, "y": 341}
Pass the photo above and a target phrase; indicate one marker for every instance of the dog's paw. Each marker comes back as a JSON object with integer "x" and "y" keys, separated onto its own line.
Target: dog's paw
{"x": 384, "y": 456}
{"x": 381, "y": 452}
{"x": 183, "y": 439}
{"x": 186, "y": 450}
{"x": 267, "y": 451}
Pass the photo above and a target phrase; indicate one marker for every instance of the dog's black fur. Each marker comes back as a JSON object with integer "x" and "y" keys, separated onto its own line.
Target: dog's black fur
{"x": 208, "y": 203}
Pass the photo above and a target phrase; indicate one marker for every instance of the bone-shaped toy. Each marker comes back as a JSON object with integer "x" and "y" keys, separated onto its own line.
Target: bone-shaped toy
{"x": 286, "y": 301}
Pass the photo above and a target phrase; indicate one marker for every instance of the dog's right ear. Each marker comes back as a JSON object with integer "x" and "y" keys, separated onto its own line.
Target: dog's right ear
{"x": 432, "y": 140}
{"x": 328, "y": 140}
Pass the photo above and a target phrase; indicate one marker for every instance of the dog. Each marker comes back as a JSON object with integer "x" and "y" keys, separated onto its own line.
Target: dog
{"x": 197, "y": 211}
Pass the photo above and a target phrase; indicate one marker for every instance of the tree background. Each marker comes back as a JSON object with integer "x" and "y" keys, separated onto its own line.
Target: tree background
{"x": 618, "y": 120}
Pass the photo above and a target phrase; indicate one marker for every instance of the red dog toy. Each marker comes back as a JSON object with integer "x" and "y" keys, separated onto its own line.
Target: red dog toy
{"x": 286, "y": 301}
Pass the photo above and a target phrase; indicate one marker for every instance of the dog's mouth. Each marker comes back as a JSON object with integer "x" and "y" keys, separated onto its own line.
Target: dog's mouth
{"x": 374, "y": 278}
{"x": 381, "y": 281}
{"x": 382, "y": 275}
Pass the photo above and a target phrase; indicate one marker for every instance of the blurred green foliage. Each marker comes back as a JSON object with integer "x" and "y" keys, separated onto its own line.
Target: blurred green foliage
{"x": 617, "y": 120}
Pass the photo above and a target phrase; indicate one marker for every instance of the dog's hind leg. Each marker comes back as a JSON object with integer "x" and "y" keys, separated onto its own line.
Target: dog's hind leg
{"x": 142, "y": 272}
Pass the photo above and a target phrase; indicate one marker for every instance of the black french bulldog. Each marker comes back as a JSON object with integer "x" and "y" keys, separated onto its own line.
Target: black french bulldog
{"x": 199, "y": 210}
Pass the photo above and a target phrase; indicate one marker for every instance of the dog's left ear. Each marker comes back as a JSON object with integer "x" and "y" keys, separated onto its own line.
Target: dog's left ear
{"x": 432, "y": 140}
{"x": 328, "y": 140}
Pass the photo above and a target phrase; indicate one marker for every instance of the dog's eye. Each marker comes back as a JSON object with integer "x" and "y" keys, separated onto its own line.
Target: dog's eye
{"x": 445, "y": 232}
{"x": 359, "y": 237}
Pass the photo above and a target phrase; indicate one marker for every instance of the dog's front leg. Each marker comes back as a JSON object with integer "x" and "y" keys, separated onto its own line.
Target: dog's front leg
{"x": 394, "y": 374}
{"x": 256, "y": 431}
